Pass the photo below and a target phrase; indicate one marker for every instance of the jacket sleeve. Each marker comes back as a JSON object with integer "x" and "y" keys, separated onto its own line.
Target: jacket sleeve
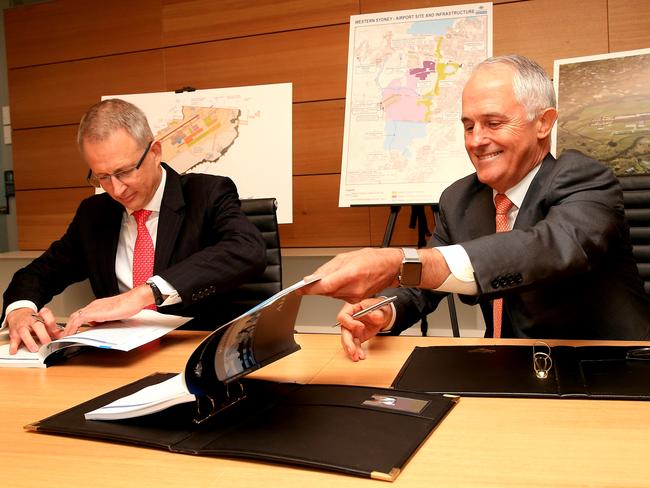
{"x": 220, "y": 247}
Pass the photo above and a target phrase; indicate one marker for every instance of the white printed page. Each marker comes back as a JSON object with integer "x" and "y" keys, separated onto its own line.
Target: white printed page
{"x": 149, "y": 400}
{"x": 122, "y": 335}
{"x": 22, "y": 359}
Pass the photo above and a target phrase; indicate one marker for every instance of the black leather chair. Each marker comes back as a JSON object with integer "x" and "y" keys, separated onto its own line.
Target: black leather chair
{"x": 636, "y": 199}
{"x": 262, "y": 213}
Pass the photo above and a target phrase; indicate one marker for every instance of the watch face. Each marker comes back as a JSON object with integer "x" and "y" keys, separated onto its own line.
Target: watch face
{"x": 411, "y": 274}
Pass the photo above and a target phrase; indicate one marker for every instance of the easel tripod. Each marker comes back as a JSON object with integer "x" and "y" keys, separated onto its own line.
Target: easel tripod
{"x": 418, "y": 218}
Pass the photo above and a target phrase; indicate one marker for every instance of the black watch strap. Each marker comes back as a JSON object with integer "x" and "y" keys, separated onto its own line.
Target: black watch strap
{"x": 157, "y": 295}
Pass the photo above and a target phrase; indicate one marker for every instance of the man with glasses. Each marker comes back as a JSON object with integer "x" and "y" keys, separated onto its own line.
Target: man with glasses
{"x": 186, "y": 233}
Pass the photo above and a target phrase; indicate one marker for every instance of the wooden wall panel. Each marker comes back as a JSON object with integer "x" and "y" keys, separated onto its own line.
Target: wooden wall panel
{"x": 57, "y": 94}
{"x": 551, "y": 29}
{"x": 44, "y": 215}
{"x": 192, "y": 21}
{"x": 318, "y": 137}
{"x": 371, "y": 6}
{"x": 317, "y": 219}
{"x": 68, "y": 29}
{"x": 629, "y": 24}
{"x": 64, "y": 54}
{"x": 48, "y": 158}
{"x": 314, "y": 60}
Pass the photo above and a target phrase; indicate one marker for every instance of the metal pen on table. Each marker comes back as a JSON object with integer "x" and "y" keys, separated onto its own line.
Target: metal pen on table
{"x": 371, "y": 308}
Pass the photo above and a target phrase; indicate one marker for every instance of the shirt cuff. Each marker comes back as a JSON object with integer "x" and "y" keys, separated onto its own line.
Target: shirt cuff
{"x": 16, "y": 305}
{"x": 461, "y": 280}
{"x": 390, "y": 324}
{"x": 167, "y": 290}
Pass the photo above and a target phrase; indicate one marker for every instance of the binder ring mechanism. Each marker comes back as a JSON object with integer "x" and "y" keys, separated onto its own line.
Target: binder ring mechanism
{"x": 207, "y": 406}
{"x": 542, "y": 361}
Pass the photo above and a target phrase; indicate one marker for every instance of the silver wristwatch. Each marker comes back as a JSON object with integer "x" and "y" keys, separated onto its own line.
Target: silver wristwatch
{"x": 410, "y": 273}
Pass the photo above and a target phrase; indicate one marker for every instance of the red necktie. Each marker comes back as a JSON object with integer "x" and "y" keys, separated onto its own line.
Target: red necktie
{"x": 143, "y": 251}
{"x": 503, "y": 206}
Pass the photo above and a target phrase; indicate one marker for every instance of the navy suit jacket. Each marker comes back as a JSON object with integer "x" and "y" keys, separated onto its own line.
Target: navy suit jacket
{"x": 566, "y": 269}
{"x": 205, "y": 247}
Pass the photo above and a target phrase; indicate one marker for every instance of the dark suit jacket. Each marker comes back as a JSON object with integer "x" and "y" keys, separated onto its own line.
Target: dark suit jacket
{"x": 205, "y": 247}
{"x": 566, "y": 269}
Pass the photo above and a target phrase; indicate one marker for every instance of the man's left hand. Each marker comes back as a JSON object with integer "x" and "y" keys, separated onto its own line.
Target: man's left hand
{"x": 118, "y": 307}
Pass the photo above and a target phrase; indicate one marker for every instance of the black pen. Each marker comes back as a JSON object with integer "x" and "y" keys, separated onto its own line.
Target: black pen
{"x": 371, "y": 308}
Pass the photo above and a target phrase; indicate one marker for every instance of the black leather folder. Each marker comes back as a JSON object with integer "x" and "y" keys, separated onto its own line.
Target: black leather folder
{"x": 596, "y": 372}
{"x": 370, "y": 432}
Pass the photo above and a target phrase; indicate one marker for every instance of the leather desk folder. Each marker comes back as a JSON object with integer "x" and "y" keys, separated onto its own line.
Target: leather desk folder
{"x": 594, "y": 372}
{"x": 353, "y": 430}
{"x": 212, "y": 409}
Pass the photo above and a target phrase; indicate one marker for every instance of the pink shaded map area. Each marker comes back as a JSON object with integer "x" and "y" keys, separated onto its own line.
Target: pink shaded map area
{"x": 401, "y": 102}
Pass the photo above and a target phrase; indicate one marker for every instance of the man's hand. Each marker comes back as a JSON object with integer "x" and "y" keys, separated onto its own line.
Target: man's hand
{"x": 355, "y": 332}
{"x": 353, "y": 276}
{"x": 30, "y": 328}
{"x": 118, "y": 307}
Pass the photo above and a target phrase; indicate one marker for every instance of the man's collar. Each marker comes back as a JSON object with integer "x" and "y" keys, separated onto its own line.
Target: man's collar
{"x": 517, "y": 193}
{"x": 156, "y": 200}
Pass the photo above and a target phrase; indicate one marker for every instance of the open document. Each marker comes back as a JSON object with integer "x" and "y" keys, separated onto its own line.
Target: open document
{"x": 213, "y": 409}
{"x": 248, "y": 342}
{"x": 120, "y": 335}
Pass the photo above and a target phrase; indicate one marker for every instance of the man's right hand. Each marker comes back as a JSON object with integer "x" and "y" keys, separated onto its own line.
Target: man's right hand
{"x": 355, "y": 332}
{"x": 31, "y": 328}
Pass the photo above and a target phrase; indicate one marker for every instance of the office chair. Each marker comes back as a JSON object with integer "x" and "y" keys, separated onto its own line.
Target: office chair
{"x": 262, "y": 213}
{"x": 636, "y": 200}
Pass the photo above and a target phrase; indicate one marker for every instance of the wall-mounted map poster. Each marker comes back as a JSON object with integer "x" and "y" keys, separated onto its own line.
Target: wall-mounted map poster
{"x": 243, "y": 132}
{"x": 403, "y": 139}
{"x": 604, "y": 109}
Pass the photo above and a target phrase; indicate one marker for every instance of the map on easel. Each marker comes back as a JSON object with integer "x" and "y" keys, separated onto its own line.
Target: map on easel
{"x": 244, "y": 133}
{"x": 403, "y": 139}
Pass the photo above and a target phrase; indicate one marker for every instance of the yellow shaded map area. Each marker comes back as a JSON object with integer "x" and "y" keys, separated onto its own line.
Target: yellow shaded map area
{"x": 206, "y": 132}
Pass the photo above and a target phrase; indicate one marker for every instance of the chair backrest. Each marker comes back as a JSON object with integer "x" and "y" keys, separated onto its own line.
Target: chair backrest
{"x": 636, "y": 199}
{"x": 262, "y": 213}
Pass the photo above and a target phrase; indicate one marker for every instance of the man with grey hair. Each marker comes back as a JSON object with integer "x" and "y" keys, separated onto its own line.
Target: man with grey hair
{"x": 153, "y": 238}
{"x": 560, "y": 263}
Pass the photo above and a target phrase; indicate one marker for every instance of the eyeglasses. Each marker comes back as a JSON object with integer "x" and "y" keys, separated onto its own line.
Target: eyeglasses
{"x": 123, "y": 176}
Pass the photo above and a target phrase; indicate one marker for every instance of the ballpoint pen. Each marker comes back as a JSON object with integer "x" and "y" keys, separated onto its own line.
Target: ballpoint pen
{"x": 60, "y": 325}
{"x": 371, "y": 308}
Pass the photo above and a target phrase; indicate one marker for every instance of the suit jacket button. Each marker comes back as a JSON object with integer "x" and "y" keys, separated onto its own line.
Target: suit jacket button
{"x": 495, "y": 283}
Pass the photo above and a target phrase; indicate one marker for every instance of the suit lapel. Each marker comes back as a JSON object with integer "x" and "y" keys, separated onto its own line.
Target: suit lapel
{"x": 480, "y": 214}
{"x": 170, "y": 220}
{"x": 107, "y": 249}
{"x": 529, "y": 213}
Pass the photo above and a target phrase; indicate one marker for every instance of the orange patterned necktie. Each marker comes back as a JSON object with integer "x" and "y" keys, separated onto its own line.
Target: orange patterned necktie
{"x": 503, "y": 206}
{"x": 143, "y": 251}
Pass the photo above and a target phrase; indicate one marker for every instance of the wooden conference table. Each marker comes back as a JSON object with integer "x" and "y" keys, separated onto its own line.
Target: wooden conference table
{"x": 482, "y": 442}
